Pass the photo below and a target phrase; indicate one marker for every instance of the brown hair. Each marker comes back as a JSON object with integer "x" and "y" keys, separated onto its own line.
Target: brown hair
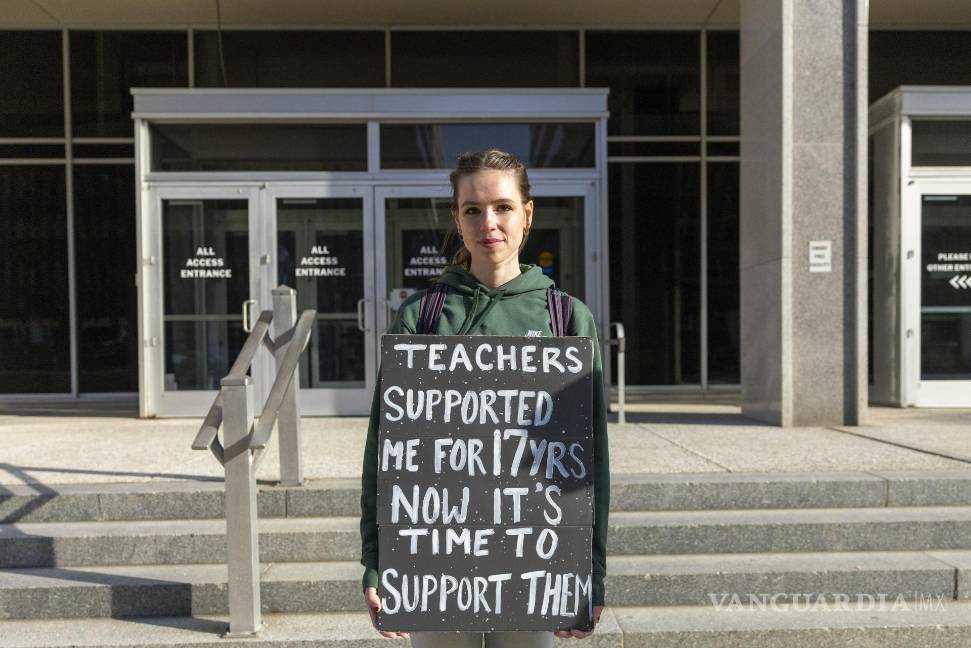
{"x": 473, "y": 162}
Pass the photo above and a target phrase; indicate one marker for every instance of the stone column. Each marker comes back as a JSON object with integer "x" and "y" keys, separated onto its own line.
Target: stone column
{"x": 803, "y": 186}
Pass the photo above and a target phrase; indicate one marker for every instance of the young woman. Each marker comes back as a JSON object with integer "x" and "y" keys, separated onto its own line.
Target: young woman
{"x": 490, "y": 293}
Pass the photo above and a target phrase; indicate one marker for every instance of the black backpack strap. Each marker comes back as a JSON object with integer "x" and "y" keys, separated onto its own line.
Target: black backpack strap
{"x": 566, "y": 302}
{"x": 560, "y": 306}
{"x": 430, "y": 309}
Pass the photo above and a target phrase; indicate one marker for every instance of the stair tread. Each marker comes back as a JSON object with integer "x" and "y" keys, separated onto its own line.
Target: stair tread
{"x": 617, "y": 566}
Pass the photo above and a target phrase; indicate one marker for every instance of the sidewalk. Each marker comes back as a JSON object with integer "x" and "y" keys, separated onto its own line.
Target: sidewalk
{"x": 96, "y": 443}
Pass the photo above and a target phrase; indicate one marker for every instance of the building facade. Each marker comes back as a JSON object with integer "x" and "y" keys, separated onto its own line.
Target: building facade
{"x": 679, "y": 211}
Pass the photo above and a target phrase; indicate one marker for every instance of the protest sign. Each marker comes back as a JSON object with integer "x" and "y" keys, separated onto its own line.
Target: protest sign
{"x": 485, "y": 483}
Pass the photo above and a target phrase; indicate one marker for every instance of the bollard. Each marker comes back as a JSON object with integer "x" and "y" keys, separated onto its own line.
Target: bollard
{"x": 242, "y": 535}
{"x": 288, "y": 420}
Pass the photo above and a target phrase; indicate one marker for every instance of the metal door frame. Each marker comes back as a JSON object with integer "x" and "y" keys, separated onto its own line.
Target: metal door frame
{"x": 156, "y": 400}
{"x": 917, "y": 392}
{"x": 333, "y": 401}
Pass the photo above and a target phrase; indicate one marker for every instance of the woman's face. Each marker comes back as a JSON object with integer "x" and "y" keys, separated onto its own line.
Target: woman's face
{"x": 491, "y": 216}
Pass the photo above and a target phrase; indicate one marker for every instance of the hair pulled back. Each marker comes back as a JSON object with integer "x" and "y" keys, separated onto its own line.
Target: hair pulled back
{"x": 470, "y": 163}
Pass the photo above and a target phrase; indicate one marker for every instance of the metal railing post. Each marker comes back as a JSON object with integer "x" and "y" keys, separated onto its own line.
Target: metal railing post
{"x": 621, "y": 341}
{"x": 288, "y": 421}
{"x": 242, "y": 535}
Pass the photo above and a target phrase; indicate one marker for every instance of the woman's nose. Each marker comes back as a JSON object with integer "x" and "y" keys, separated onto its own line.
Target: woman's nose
{"x": 489, "y": 218}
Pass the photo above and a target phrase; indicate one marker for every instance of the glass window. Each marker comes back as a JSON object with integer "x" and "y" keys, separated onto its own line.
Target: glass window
{"x": 104, "y": 225}
{"x": 32, "y": 78}
{"x": 259, "y": 147}
{"x": 654, "y": 79}
{"x": 655, "y": 268}
{"x": 437, "y": 146}
{"x": 479, "y": 59}
{"x": 290, "y": 59}
{"x": 105, "y": 65}
{"x": 556, "y": 241}
{"x": 320, "y": 253}
{"x": 941, "y": 143}
{"x": 418, "y": 243}
{"x": 723, "y": 83}
{"x": 918, "y": 58}
{"x": 945, "y": 286}
{"x": 205, "y": 270}
{"x": 723, "y": 274}
{"x": 34, "y": 338}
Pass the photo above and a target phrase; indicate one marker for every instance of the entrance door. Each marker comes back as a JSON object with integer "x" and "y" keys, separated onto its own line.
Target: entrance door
{"x": 413, "y": 245}
{"x": 938, "y": 293}
{"x": 324, "y": 241}
{"x": 205, "y": 289}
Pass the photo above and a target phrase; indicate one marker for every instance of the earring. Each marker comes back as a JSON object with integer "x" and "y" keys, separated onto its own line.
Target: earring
{"x": 459, "y": 234}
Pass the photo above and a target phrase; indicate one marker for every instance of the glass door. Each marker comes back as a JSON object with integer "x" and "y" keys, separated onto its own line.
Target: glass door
{"x": 323, "y": 242}
{"x": 413, "y": 247}
{"x": 207, "y": 249}
{"x": 938, "y": 299}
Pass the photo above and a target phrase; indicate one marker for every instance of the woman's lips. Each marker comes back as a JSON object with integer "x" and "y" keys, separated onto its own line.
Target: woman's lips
{"x": 489, "y": 242}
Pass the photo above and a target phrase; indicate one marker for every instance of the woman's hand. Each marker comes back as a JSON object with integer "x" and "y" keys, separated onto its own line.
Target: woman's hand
{"x": 579, "y": 634}
{"x": 373, "y": 604}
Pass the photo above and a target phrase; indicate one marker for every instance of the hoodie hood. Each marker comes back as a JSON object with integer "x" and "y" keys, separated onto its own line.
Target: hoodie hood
{"x": 530, "y": 284}
{"x": 465, "y": 283}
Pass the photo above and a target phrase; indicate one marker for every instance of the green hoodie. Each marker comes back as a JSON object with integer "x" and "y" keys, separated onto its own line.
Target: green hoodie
{"x": 514, "y": 308}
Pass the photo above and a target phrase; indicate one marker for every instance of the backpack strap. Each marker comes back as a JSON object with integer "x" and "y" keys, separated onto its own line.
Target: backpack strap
{"x": 560, "y": 306}
{"x": 430, "y": 309}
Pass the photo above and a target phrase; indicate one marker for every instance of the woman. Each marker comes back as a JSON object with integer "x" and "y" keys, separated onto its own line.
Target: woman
{"x": 489, "y": 293}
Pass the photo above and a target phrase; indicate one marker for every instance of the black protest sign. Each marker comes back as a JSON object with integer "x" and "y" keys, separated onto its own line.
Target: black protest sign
{"x": 485, "y": 483}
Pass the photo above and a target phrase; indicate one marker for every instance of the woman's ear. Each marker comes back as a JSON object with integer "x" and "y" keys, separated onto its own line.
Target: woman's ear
{"x": 528, "y": 213}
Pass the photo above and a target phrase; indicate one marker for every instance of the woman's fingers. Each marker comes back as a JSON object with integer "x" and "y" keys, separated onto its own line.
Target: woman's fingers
{"x": 562, "y": 634}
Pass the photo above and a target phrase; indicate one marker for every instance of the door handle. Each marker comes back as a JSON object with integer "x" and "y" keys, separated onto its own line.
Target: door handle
{"x": 247, "y": 326}
{"x": 360, "y": 316}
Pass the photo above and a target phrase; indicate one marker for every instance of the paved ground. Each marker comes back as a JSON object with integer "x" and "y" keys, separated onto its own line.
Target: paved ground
{"x": 43, "y": 443}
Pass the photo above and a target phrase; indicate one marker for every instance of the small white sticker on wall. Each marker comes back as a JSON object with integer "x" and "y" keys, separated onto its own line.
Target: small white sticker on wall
{"x": 820, "y": 256}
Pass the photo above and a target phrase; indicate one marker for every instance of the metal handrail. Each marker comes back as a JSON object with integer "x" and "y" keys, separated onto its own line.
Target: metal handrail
{"x": 245, "y": 440}
{"x": 621, "y": 342}
{"x": 207, "y": 435}
{"x": 271, "y": 409}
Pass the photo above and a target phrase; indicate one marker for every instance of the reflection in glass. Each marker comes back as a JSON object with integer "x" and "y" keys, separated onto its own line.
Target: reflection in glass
{"x": 908, "y": 57}
{"x": 437, "y": 146}
{"x": 655, "y": 267}
{"x": 654, "y": 79}
{"x": 556, "y": 241}
{"x": 205, "y": 282}
{"x": 418, "y": 245}
{"x": 104, "y": 226}
{"x": 484, "y": 58}
{"x": 723, "y": 83}
{"x": 290, "y": 59}
{"x": 940, "y": 143}
{"x": 945, "y": 304}
{"x": 259, "y": 147}
{"x": 31, "y": 75}
{"x": 106, "y": 65}
{"x": 320, "y": 253}
{"x": 34, "y": 338}
{"x": 723, "y": 274}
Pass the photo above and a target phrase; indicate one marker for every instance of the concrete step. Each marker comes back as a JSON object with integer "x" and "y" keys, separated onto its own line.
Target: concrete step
{"x": 629, "y": 492}
{"x": 68, "y": 544}
{"x": 942, "y": 624}
{"x": 171, "y": 542}
{"x": 790, "y": 530}
{"x": 183, "y": 590}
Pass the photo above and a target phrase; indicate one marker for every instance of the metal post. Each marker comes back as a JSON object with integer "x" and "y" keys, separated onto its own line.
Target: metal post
{"x": 242, "y": 536}
{"x": 621, "y": 378}
{"x": 288, "y": 420}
